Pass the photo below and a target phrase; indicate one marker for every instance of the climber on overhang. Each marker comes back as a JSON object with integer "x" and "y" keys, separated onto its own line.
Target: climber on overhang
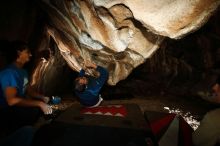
{"x": 87, "y": 88}
{"x": 207, "y": 134}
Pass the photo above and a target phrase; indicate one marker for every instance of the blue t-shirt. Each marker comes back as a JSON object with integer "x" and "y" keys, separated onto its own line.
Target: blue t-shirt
{"x": 12, "y": 76}
{"x": 91, "y": 94}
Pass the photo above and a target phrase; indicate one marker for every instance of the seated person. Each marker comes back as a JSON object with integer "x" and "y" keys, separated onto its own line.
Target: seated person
{"x": 214, "y": 95}
{"x": 216, "y": 92}
{"x": 15, "y": 107}
{"x": 208, "y": 133}
{"x": 87, "y": 88}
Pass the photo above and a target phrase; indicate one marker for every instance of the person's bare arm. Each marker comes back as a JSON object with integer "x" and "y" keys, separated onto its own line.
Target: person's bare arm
{"x": 215, "y": 99}
{"x": 13, "y": 100}
{"x": 32, "y": 93}
{"x": 211, "y": 97}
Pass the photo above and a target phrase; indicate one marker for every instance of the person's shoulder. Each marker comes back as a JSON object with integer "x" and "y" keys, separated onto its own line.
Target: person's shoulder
{"x": 7, "y": 71}
{"x": 14, "y": 69}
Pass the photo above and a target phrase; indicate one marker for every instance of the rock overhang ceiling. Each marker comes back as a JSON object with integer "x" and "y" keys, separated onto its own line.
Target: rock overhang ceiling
{"x": 120, "y": 34}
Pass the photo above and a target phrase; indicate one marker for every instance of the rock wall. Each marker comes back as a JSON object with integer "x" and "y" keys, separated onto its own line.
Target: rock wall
{"x": 120, "y": 34}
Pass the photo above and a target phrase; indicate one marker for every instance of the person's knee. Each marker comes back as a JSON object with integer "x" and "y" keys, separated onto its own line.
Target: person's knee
{"x": 23, "y": 136}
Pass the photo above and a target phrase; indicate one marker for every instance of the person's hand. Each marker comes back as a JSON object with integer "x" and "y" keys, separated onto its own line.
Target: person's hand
{"x": 89, "y": 64}
{"x": 46, "y": 99}
{"x": 47, "y": 109}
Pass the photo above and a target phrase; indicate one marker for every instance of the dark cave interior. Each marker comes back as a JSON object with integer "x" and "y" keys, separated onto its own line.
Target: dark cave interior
{"x": 180, "y": 67}
{"x": 170, "y": 78}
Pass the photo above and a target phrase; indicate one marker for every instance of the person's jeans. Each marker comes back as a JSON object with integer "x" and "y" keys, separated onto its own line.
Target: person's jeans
{"x": 14, "y": 117}
{"x": 21, "y": 137}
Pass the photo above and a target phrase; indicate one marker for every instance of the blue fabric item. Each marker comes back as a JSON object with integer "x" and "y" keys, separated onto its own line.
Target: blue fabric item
{"x": 91, "y": 94}
{"x": 12, "y": 77}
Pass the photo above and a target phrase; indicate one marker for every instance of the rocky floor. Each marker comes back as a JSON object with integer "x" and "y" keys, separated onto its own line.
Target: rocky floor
{"x": 191, "y": 108}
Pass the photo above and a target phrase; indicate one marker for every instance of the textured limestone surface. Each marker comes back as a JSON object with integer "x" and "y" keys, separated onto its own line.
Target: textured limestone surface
{"x": 120, "y": 34}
